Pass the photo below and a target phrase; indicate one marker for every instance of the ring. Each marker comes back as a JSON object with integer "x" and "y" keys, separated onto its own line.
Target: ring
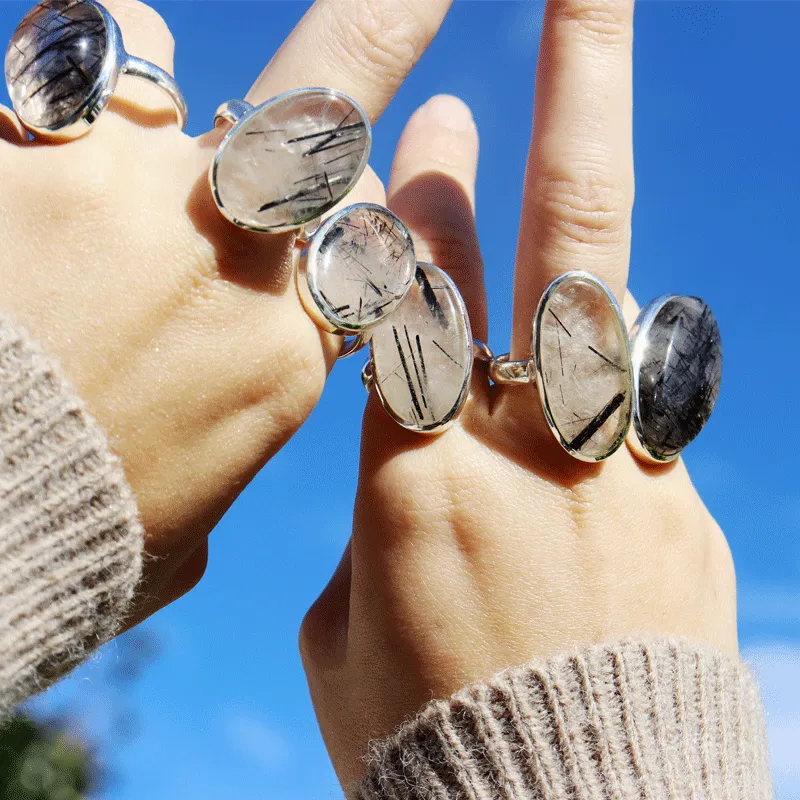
{"x": 287, "y": 162}
{"x": 421, "y": 359}
{"x": 62, "y": 67}
{"x": 676, "y": 351}
{"x": 581, "y": 365}
{"x": 356, "y": 269}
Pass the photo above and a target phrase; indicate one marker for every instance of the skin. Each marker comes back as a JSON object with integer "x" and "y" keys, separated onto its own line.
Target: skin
{"x": 487, "y": 546}
{"x": 183, "y": 334}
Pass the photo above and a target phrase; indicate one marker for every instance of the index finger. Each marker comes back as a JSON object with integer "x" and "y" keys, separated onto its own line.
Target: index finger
{"x": 364, "y": 48}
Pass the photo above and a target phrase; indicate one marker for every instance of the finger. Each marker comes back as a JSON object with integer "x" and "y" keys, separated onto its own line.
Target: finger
{"x": 145, "y": 35}
{"x": 432, "y": 189}
{"x": 630, "y": 309}
{"x": 579, "y": 182}
{"x": 364, "y": 48}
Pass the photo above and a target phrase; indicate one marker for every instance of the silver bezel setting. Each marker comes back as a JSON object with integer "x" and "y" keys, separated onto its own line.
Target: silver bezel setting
{"x": 115, "y": 63}
{"x": 243, "y": 112}
{"x": 307, "y": 286}
{"x": 368, "y": 372}
{"x": 639, "y": 343}
{"x": 577, "y": 275}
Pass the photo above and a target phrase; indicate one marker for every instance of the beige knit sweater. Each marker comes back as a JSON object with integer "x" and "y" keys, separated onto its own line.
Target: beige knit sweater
{"x": 631, "y": 721}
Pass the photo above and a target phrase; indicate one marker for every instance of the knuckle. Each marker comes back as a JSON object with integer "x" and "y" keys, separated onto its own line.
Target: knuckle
{"x": 137, "y": 18}
{"x": 451, "y": 247}
{"x": 600, "y": 21}
{"x": 587, "y": 209}
{"x": 382, "y": 41}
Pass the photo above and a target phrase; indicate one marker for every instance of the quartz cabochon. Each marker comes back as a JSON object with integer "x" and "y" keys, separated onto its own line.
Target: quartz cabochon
{"x": 54, "y": 60}
{"x": 290, "y": 160}
{"x": 422, "y": 355}
{"x": 360, "y": 267}
{"x": 584, "y": 367}
{"x": 679, "y": 375}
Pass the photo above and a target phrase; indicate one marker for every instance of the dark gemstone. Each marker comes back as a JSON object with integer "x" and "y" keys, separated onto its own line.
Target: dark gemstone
{"x": 54, "y": 60}
{"x": 679, "y": 375}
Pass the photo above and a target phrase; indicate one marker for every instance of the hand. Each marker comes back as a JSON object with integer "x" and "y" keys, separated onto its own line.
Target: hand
{"x": 489, "y": 545}
{"x": 183, "y": 333}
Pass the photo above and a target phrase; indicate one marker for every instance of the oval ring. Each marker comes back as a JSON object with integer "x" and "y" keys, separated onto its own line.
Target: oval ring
{"x": 287, "y": 162}
{"x": 62, "y": 66}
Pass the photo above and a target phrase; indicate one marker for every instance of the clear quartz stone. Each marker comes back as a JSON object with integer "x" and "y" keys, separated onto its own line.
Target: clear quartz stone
{"x": 679, "y": 363}
{"x": 54, "y": 60}
{"x": 584, "y": 367}
{"x": 360, "y": 266}
{"x": 422, "y": 355}
{"x": 290, "y": 160}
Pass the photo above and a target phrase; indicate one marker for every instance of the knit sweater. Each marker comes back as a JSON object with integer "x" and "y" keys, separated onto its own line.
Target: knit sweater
{"x": 640, "y": 719}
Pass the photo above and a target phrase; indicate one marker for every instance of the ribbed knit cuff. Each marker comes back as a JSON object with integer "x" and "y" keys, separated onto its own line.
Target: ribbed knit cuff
{"x": 70, "y": 541}
{"x": 650, "y": 719}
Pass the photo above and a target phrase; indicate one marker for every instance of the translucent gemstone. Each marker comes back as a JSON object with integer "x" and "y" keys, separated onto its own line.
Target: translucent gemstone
{"x": 583, "y": 366}
{"x": 677, "y": 354}
{"x": 290, "y": 160}
{"x": 360, "y": 266}
{"x": 54, "y": 60}
{"x": 422, "y": 355}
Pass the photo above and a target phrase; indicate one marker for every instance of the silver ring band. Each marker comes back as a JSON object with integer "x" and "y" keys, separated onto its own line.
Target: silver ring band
{"x": 504, "y": 371}
{"x": 63, "y": 64}
{"x": 232, "y": 111}
{"x": 139, "y": 68}
{"x": 352, "y": 344}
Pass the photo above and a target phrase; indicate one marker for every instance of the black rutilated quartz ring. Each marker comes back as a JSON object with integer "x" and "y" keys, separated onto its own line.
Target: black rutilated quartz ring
{"x": 676, "y": 353}
{"x": 62, "y": 67}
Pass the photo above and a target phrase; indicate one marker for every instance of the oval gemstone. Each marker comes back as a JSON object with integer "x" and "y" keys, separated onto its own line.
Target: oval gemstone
{"x": 54, "y": 60}
{"x": 360, "y": 266}
{"x": 288, "y": 161}
{"x": 677, "y": 352}
{"x": 422, "y": 355}
{"x": 583, "y": 366}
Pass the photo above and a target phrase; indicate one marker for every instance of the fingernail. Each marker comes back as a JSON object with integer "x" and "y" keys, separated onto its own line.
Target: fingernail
{"x": 450, "y": 112}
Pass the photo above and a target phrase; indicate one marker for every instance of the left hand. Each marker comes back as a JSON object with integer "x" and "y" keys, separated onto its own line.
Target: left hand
{"x": 183, "y": 334}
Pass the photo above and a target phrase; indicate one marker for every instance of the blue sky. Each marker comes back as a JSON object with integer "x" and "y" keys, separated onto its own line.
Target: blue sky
{"x": 223, "y": 711}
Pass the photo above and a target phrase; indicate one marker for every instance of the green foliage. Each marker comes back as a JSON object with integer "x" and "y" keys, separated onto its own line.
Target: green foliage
{"x": 39, "y": 762}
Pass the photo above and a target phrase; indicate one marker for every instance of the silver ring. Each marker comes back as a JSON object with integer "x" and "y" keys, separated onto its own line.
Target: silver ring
{"x": 580, "y": 363}
{"x": 676, "y": 353}
{"x": 62, "y": 67}
{"x": 422, "y": 356}
{"x": 287, "y": 162}
{"x": 356, "y": 269}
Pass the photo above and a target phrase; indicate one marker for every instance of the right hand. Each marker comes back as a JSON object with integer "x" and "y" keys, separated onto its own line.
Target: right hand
{"x": 184, "y": 334}
{"x": 488, "y": 546}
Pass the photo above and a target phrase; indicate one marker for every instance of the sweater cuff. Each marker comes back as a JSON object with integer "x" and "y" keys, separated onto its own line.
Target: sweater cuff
{"x": 70, "y": 540}
{"x": 654, "y": 718}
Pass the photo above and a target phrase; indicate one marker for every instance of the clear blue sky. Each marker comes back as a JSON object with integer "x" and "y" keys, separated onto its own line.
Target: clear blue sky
{"x": 223, "y": 712}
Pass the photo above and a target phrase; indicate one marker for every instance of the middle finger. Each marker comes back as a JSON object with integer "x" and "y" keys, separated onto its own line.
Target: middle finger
{"x": 579, "y": 183}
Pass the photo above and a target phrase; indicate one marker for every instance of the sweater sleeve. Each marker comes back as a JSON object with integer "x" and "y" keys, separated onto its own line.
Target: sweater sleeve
{"x": 645, "y": 719}
{"x": 70, "y": 540}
